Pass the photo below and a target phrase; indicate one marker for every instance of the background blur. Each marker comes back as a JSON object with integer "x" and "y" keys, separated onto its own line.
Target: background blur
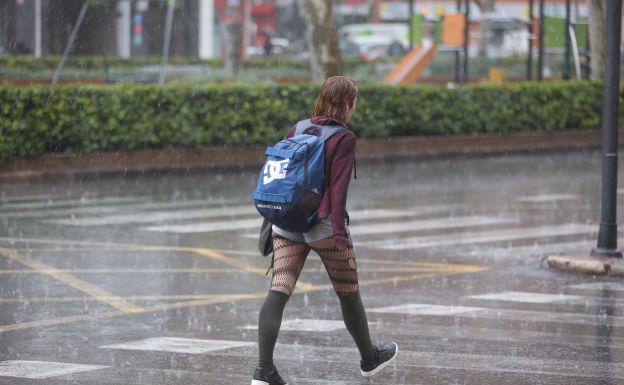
{"x": 123, "y": 40}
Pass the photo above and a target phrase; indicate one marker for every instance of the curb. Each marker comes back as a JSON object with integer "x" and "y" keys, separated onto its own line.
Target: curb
{"x": 613, "y": 267}
{"x": 183, "y": 159}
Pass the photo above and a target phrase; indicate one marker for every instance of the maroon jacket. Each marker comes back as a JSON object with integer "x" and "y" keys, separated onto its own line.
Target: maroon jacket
{"x": 339, "y": 164}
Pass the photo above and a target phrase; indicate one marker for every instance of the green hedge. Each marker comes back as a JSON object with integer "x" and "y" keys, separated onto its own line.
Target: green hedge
{"x": 78, "y": 119}
{"x": 95, "y": 62}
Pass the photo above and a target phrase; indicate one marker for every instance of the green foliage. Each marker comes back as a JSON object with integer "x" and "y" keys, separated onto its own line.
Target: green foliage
{"x": 79, "y": 118}
{"x": 95, "y": 62}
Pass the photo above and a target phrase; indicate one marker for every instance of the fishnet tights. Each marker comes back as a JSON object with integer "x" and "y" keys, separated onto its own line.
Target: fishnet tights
{"x": 290, "y": 256}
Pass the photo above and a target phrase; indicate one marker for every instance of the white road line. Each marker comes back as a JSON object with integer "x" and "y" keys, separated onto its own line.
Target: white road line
{"x": 64, "y": 212}
{"x": 480, "y": 237}
{"x": 23, "y": 198}
{"x": 498, "y": 314}
{"x": 206, "y": 227}
{"x": 242, "y": 224}
{"x": 527, "y": 297}
{"x": 534, "y": 250}
{"x": 542, "y": 198}
{"x": 70, "y": 203}
{"x": 427, "y": 224}
{"x": 523, "y": 366}
{"x": 309, "y": 325}
{"x": 366, "y": 214}
{"x": 602, "y": 286}
{"x": 157, "y": 216}
{"x": 178, "y": 345}
{"x": 565, "y": 337}
{"x": 426, "y": 309}
{"x": 42, "y": 369}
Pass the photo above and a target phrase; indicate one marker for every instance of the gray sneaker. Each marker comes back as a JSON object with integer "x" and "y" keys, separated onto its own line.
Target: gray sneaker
{"x": 385, "y": 354}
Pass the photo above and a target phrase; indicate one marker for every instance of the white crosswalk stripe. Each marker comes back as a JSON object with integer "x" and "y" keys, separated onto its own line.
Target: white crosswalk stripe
{"x": 70, "y": 203}
{"x": 256, "y": 222}
{"x": 24, "y": 198}
{"x": 526, "y": 297}
{"x": 427, "y": 224}
{"x": 206, "y": 227}
{"x": 542, "y": 198}
{"x": 420, "y": 309}
{"x": 178, "y": 345}
{"x": 480, "y": 237}
{"x": 42, "y": 369}
{"x": 158, "y": 216}
{"x": 106, "y": 210}
{"x": 448, "y": 360}
{"x": 599, "y": 286}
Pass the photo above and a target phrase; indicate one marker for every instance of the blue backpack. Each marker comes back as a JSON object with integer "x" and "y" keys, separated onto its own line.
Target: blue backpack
{"x": 290, "y": 185}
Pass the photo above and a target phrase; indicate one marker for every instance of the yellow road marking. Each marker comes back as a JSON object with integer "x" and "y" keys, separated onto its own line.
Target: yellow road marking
{"x": 206, "y": 252}
{"x": 117, "y": 313}
{"x": 302, "y": 287}
{"x": 72, "y": 281}
{"x": 165, "y": 297}
{"x": 122, "y": 271}
{"x": 121, "y": 247}
{"x": 440, "y": 266}
{"x": 199, "y": 271}
{"x": 197, "y": 302}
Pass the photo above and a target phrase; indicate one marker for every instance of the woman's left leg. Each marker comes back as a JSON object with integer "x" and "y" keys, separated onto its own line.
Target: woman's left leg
{"x": 342, "y": 270}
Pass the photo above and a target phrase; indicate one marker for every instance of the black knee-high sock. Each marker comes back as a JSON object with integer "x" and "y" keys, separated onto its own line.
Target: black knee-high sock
{"x": 355, "y": 319}
{"x": 269, "y": 325}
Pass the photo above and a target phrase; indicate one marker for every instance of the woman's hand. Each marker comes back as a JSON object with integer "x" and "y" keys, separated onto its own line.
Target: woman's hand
{"x": 341, "y": 242}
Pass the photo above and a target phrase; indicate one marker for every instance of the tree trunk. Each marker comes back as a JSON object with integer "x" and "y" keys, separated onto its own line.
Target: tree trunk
{"x": 325, "y": 57}
{"x": 597, "y": 38}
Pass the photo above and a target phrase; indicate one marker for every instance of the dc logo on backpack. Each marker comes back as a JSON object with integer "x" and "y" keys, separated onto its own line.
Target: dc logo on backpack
{"x": 274, "y": 169}
{"x": 290, "y": 185}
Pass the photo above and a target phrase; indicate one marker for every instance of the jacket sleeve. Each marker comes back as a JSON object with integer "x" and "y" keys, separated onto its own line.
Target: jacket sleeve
{"x": 341, "y": 169}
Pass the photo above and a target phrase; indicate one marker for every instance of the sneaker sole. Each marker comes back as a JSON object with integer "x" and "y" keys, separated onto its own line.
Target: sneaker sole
{"x": 378, "y": 369}
{"x": 258, "y": 382}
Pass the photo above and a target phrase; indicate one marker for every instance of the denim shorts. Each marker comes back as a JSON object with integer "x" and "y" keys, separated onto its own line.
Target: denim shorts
{"x": 322, "y": 230}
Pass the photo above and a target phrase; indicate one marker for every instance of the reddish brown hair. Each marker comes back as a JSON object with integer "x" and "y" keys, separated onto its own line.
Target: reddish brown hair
{"x": 336, "y": 99}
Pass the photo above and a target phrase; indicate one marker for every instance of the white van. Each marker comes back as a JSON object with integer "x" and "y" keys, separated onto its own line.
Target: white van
{"x": 377, "y": 40}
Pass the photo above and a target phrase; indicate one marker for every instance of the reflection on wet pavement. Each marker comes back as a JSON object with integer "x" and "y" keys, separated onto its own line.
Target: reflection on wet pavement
{"x": 156, "y": 279}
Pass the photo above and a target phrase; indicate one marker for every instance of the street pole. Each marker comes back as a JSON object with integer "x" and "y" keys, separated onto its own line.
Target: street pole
{"x": 567, "y": 69}
{"x": 206, "y": 29}
{"x": 166, "y": 43}
{"x": 457, "y": 51}
{"x": 466, "y": 38}
{"x": 410, "y": 21}
{"x": 540, "y": 50}
{"x": 607, "y": 235}
{"x": 38, "y": 29}
{"x": 531, "y": 28}
{"x": 124, "y": 29}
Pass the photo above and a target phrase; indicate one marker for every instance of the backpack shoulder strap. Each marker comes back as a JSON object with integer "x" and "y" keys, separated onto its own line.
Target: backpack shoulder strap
{"x": 326, "y": 131}
{"x": 302, "y": 126}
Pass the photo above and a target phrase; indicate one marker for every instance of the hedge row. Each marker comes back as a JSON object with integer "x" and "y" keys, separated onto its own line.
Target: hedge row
{"x": 78, "y": 119}
{"x": 95, "y": 62}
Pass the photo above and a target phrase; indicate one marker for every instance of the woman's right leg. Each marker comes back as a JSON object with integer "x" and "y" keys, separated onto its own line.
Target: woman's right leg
{"x": 289, "y": 259}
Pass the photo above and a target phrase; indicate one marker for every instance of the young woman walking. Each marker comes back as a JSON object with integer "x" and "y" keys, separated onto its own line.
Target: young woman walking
{"x": 330, "y": 239}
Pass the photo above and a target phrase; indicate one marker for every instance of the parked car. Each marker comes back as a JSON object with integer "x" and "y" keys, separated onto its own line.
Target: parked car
{"x": 375, "y": 41}
{"x": 279, "y": 46}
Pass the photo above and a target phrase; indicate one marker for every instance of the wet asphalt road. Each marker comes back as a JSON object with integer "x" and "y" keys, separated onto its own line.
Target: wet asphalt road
{"x": 156, "y": 279}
